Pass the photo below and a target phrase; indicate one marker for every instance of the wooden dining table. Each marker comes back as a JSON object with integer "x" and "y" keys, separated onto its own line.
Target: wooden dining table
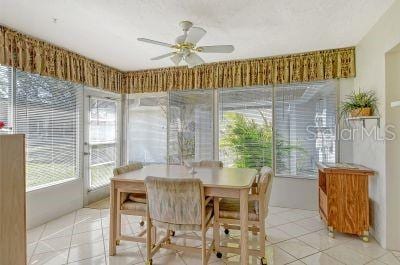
{"x": 217, "y": 182}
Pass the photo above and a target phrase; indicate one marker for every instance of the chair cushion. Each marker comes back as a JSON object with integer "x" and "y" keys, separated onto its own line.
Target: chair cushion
{"x": 184, "y": 227}
{"x": 134, "y": 206}
{"x": 137, "y": 197}
{"x": 230, "y": 209}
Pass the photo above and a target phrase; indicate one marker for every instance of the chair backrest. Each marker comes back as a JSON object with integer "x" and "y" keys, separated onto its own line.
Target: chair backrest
{"x": 175, "y": 201}
{"x": 124, "y": 169}
{"x": 265, "y": 185}
{"x": 211, "y": 163}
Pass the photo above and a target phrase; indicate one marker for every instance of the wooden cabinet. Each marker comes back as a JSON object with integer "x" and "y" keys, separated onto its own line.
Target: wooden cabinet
{"x": 343, "y": 198}
{"x": 12, "y": 200}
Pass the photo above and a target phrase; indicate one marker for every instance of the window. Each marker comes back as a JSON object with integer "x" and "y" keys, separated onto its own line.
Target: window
{"x": 245, "y": 127}
{"x": 305, "y": 118}
{"x": 191, "y": 131}
{"x": 102, "y": 141}
{"x": 6, "y": 96}
{"x": 288, "y": 127}
{"x": 47, "y": 112}
{"x": 147, "y": 128}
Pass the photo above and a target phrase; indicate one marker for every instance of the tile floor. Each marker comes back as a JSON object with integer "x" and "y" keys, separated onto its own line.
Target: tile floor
{"x": 295, "y": 237}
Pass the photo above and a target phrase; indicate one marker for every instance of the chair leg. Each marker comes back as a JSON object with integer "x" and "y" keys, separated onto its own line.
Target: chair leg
{"x": 262, "y": 241}
{"x": 204, "y": 247}
{"x": 216, "y": 227}
{"x": 149, "y": 244}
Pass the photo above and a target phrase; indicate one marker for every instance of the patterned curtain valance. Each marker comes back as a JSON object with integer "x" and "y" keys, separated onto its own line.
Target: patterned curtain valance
{"x": 304, "y": 67}
{"x": 35, "y": 56}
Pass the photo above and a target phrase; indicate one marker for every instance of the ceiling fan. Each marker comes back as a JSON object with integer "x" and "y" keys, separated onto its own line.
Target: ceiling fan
{"x": 185, "y": 46}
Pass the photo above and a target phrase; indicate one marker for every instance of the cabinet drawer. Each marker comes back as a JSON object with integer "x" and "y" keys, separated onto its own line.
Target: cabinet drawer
{"x": 323, "y": 202}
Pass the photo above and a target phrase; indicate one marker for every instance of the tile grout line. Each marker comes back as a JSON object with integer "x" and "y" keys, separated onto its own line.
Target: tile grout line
{"x": 70, "y": 242}
{"x": 102, "y": 237}
{"x": 137, "y": 245}
{"x": 37, "y": 243}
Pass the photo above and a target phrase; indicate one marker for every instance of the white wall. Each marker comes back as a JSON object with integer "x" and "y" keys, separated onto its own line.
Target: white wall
{"x": 393, "y": 149}
{"x": 370, "y": 62}
{"x": 295, "y": 193}
{"x": 49, "y": 203}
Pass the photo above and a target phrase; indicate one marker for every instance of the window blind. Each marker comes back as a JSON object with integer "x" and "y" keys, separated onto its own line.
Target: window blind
{"x": 190, "y": 136}
{"x": 47, "y": 112}
{"x": 6, "y": 96}
{"x": 102, "y": 141}
{"x": 305, "y": 117}
{"x": 245, "y": 127}
{"x": 147, "y": 128}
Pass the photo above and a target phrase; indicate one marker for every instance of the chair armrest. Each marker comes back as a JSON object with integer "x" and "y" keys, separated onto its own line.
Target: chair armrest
{"x": 208, "y": 199}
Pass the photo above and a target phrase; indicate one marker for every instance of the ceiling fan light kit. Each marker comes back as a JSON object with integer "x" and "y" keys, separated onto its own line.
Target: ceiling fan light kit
{"x": 185, "y": 47}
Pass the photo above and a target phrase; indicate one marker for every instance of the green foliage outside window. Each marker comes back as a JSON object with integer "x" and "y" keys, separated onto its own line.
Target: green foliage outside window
{"x": 252, "y": 143}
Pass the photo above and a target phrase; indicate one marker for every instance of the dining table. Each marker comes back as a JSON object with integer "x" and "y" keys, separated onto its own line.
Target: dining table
{"x": 217, "y": 182}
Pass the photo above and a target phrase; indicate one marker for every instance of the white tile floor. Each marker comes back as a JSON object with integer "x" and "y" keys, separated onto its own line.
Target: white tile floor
{"x": 295, "y": 237}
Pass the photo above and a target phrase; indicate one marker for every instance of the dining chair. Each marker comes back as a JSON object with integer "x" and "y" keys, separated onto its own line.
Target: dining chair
{"x": 211, "y": 163}
{"x": 177, "y": 205}
{"x": 227, "y": 213}
{"x": 130, "y": 204}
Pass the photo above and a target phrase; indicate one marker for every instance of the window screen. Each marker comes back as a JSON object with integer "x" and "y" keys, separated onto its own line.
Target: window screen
{"x": 305, "y": 118}
{"x": 47, "y": 112}
{"x": 147, "y": 128}
{"x": 245, "y": 127}
{"x": 190, "y": 136}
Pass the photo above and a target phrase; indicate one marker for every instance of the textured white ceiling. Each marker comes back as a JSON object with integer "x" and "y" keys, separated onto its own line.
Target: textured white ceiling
{"x": 106, "y": 31}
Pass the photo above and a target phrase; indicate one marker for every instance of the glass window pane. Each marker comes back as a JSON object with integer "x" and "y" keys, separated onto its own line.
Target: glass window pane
{"x": 190, "y": 136}
{"x": 47, "y": 112}
{"x": 305, "y": 127}
{"x": 147, "y": 128}
{"x": 245, "y": 127}
{"x": 5, "y": 97}
{"x": 102, "y": 141}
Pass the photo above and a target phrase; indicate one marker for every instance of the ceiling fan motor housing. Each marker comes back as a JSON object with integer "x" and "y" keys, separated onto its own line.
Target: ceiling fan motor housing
{"x": 185, "y": 25}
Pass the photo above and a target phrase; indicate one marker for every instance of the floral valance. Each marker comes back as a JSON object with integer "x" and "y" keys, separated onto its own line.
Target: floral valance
{"x": 35, "y": 56}
{"x": 31, "y": 55}
{"x": 303, "y": 67}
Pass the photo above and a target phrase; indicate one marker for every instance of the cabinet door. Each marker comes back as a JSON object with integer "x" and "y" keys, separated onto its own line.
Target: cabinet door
{"x": 348, "y": 202}
{"x": 12, "y": 200}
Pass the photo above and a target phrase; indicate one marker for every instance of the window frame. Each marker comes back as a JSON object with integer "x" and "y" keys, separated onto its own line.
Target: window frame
{"x": 216, "y": 124}
{"x": 79, "y": 126}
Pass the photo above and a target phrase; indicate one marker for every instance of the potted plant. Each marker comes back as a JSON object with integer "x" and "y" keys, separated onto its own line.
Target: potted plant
{"x": 358, "y": 104}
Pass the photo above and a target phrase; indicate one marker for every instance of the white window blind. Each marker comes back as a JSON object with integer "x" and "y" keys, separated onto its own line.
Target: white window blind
{"x": 245, "y": 127}
{"x": 47, "y": 112}
{"x": 190, "y": 136}
{"x": 102, "y": 141}
{"x": 147, "y": 128}
{"x": 305, "y": 117}
{"x": 5, "y": 96}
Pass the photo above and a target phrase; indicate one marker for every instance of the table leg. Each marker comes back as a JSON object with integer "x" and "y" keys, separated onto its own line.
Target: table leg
{"x": 113, "y": 219}
{"x": 244, "y": 227}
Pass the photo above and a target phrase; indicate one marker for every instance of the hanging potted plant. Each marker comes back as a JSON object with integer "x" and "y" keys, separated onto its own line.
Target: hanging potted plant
{"x": 359, "y": 104}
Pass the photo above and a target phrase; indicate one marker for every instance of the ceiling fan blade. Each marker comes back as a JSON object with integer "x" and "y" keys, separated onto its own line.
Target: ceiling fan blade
{"x": 181, "y": 39}
{"x": 216, "y": 49}
{"x": 193, "y": 60}
{"x": 156, "y": 42}
{"x": 195, "y": 34}
{"x": 177, "y": 58}
{"x": 163, "y": 56}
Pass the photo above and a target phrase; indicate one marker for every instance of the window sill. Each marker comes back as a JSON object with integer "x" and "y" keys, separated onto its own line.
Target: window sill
{"x": 297, "y": 177}
{"x": 51, "y": 185}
